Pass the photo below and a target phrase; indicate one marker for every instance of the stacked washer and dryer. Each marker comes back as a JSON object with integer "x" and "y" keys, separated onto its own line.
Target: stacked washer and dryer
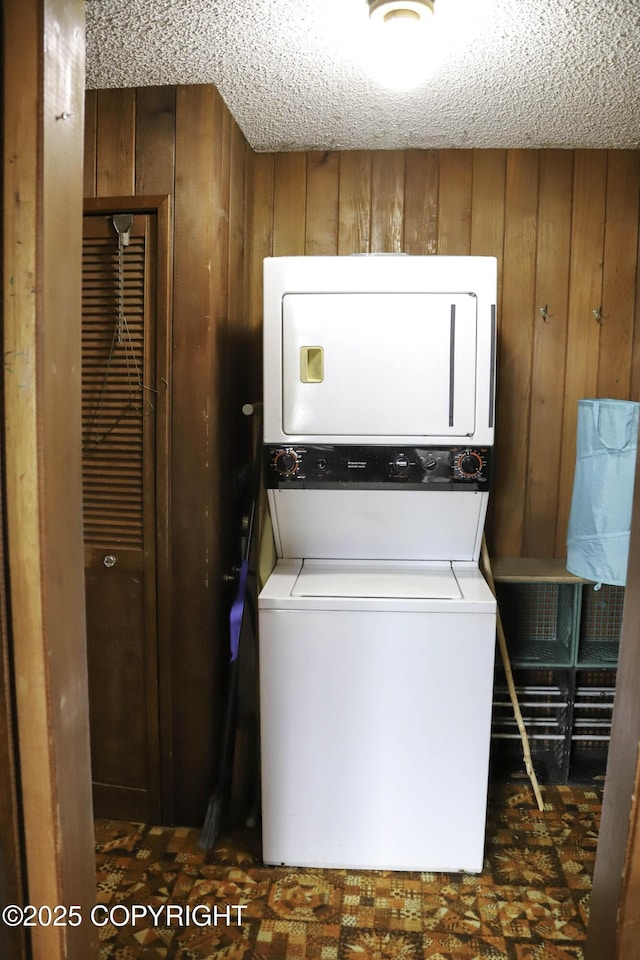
{"x": 377, "y": 629}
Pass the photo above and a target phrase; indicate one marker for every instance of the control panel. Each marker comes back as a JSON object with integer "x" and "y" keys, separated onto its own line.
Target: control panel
{"x": 379, "y": 467}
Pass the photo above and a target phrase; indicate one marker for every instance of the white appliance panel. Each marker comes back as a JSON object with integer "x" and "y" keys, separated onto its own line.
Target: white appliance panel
{"x": 387, "y": 368}
{"x": 386, "y": 364}
{"x": 378, "y": 524}
{"x": 375, "y": 738}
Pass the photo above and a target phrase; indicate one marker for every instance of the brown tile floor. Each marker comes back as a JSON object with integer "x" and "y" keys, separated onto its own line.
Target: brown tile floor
{"x": 530, "y": 902}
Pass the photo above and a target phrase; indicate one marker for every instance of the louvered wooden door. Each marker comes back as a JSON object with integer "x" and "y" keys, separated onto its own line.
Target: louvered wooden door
{"x": 119, "y": 409}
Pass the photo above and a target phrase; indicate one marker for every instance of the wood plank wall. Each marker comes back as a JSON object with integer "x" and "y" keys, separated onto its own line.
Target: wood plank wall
{"x": 564, "y": 227}
{"x": 183, "y": 142}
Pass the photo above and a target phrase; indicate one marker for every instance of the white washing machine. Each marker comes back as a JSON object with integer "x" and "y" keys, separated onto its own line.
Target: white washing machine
{"x": 377, "y": 630}
{"x": 376, "y": 685}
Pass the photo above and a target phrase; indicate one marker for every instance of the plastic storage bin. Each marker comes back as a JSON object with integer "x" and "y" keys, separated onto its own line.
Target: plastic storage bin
{"x": 540, "y": 622}
{"x": 544, "y": 697}
{"x": 563, "y": 639}
{"x": 600, "y": 626}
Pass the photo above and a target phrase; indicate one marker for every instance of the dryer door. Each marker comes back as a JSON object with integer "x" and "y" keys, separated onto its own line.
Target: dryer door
{"x": 379, "y": 364}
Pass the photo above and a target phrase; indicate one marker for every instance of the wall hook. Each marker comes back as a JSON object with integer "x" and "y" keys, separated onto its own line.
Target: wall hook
{"x": 544, "y": 312}
{"x": 598, "y": 314}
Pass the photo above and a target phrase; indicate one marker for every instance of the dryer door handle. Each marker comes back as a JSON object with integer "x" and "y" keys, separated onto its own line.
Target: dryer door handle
{"x": 312, "y": 364}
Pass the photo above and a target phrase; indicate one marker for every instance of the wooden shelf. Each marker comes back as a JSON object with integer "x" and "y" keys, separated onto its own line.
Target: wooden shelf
{"x": 532, "y": 570}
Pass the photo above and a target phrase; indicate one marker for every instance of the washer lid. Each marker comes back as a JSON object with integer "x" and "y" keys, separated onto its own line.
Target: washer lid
{"x": 369, "y": 579}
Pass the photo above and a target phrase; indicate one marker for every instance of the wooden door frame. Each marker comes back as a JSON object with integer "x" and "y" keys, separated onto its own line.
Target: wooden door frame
{"x": 12, "y": 879}
{"x": 43, "y": 83}
{"x": 160, "y": 207}
{"x": 614, "y": 914}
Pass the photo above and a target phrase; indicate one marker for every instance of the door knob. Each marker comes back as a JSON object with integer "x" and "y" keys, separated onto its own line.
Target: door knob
{"x": 110, "y": 560}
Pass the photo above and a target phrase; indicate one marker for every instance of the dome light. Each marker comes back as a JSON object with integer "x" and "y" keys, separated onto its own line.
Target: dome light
{"x": 385, "y": 12}
{"x": 400, "y": 51}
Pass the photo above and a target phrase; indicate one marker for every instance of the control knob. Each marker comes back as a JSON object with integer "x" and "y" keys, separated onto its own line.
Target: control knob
{"x": 286, "y": 462}
{"x": 470, "y": 463}
{"x": 400, "y": 464}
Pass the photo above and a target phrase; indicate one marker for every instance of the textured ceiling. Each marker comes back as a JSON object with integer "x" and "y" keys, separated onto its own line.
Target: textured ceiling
{"x": 294, "y": 73}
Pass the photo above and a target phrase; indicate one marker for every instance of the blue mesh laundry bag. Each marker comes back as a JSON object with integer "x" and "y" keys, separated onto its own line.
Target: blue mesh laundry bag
{"x": 600, "y": 518}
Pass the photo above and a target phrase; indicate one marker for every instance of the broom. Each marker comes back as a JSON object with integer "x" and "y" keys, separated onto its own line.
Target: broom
{"x": 506, "y": 663}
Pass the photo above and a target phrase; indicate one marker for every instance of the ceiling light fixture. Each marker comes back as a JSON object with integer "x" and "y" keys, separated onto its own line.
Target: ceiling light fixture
{"x": 385, "y": 12}
{"x": 400, "y": 48}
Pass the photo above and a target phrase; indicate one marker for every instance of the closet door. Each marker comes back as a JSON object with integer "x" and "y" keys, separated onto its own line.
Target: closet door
{"x": 120, "y": 402}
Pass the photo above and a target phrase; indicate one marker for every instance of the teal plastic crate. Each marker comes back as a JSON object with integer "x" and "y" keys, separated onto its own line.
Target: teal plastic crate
{"x": 540, "y": 622}
{"x": 544, "y": 697}
{"x": 600, "y": 626}
{"x": 591, "y": 727}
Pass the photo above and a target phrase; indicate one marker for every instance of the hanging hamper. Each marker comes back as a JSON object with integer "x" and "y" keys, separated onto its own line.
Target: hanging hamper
{"x": 600, "y": 518}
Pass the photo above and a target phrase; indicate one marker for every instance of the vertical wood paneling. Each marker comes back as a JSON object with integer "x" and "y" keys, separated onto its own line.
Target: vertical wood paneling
{"x": 487, "y": 204}
{"x": 354, "y": 203}
{"x": 220, "y": 381}
{"x": 238, "y": 163}
{"x": 515, "y": 332}
{"x": 421, "y": 202}
{"x": 618, "y": 284}
{"x": 155, "y": 144}
{"x": 289, "y": 204}
{"x": 220, "y": 215}
{"x": 242, "y": 387}
{"x": 585, "y": 296}
{"x": 321, "y": 225}
{"x": 115, "y": 143}
{"x": 549, "y": 351}
{"x": 155, "y": 117}
{"x": 194, "y": 588}
{"x": 258, "y": 245}
{"x": 454, "y": 215}
{"x": 90, "y": 133}
{"x": 210, "y": 156}
{"x": 487, "y": 221}
{"x": 387, "y": 201}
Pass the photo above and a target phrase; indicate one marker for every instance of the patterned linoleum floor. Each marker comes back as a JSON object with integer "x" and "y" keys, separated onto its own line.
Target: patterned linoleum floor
{"x": 530, "y": 902}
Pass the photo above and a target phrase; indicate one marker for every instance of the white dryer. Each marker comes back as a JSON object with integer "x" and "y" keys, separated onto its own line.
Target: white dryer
{"x": 377, "y": 629}
{"x": 379, "y": 349}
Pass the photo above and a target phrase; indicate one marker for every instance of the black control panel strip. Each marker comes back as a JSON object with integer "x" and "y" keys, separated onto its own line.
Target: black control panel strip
{"x": 377, "y": 467}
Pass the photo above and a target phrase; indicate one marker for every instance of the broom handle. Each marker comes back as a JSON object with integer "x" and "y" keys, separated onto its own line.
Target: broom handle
{"x": 502, "y": 643}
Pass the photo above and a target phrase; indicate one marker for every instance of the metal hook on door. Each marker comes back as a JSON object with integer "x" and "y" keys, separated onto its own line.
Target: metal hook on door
{"x": 123, "y": 223}
{"x": 597, "y": 313}
{"x": 544, "y": 312}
